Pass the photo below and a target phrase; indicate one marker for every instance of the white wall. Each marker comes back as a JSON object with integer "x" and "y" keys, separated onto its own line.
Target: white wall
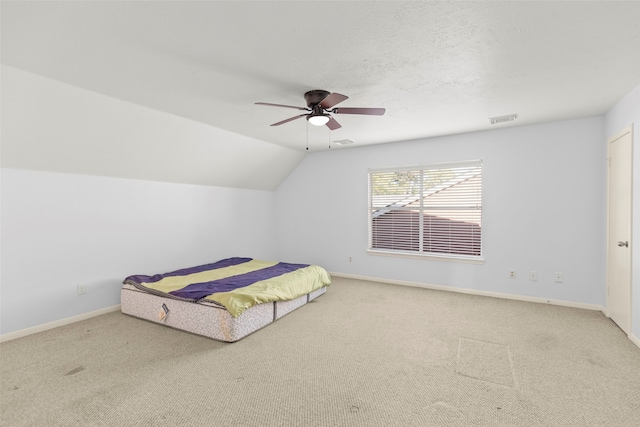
{"x": 627, "y": 112}
{"x": 544, "y": 210}
{"x": 60, "y": 230}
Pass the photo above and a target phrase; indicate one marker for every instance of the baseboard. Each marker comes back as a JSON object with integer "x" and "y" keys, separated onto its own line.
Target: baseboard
{"x": 475, "y": 292}
{"x": 46, "y": 326}
{"x": 634, "y": 339}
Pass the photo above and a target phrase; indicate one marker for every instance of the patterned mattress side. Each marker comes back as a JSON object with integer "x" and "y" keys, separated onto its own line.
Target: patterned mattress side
{"x": 203, "y": 319}
{"x": 286, "y": 307}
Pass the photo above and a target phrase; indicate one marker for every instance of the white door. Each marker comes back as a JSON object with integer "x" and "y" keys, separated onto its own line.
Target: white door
{"x": 619, "y": 229}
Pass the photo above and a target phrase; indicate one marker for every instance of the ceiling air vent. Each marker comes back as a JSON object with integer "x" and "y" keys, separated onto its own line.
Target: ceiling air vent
{"x": 502, "y": 119}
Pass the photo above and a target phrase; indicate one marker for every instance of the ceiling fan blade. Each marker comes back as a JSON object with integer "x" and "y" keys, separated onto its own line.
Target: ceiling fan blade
{"x": 332, "y": 99}
{"x": 366, "y": 111}
{"x": 289, "y": 120}
{"x": 282, "y": 105}
{"x": 333, "y": 124}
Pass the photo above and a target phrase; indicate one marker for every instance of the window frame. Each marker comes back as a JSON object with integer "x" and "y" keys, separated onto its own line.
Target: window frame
{"x": 421, "y": 253}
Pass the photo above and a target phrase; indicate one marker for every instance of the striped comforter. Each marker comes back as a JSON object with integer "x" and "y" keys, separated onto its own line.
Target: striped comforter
{"x": 235, "y": 283}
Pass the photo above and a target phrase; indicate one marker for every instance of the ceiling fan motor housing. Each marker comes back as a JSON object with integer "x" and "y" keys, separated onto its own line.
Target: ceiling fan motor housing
{"x": 315, "y": 97}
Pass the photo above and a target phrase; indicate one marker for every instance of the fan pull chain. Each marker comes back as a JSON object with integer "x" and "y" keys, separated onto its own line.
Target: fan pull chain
{"x": 307, "y": 136}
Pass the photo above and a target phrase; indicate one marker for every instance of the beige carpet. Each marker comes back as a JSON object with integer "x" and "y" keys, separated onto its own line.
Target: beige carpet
{"x": 363, "y": 354}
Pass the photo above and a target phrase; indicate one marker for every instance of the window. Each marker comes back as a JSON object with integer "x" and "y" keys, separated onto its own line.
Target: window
{"x": 427, "y": 210}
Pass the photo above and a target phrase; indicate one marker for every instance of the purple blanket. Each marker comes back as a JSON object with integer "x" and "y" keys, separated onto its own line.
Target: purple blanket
{"x": 140, "y": 278}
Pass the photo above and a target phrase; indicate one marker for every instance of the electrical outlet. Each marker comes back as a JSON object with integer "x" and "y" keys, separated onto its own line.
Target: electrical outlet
{"x": 81, "y": 290}
{"x": 558, "y": 277}
{"x": 512, "y": 274}
{"x": 533, "y": 276}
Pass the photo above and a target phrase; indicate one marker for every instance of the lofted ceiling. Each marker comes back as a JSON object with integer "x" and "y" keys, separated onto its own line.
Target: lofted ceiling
{"x": 438, "y": 67}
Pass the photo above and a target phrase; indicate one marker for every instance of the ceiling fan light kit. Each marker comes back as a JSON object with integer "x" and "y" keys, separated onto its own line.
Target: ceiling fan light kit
{"x": 318, "y": 119}
{"x": 319, "y": 104}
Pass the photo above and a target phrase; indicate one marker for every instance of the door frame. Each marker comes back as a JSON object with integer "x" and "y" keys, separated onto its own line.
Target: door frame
{"x": 610, "y": 140}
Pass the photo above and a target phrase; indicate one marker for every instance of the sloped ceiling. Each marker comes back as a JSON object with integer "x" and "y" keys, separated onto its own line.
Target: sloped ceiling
{"x": 437, "y": 67}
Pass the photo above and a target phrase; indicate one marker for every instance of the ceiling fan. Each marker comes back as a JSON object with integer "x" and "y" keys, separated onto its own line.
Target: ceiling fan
{"x": 320, "y": 103}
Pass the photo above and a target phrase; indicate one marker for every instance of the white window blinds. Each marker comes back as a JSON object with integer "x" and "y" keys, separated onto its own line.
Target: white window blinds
{"x": 430, "y": 210}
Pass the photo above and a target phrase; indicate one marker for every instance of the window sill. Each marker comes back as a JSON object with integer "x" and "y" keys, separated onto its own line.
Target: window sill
{"x": 450, "y": 258}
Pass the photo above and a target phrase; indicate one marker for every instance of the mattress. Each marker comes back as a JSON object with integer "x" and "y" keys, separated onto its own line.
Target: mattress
{"x": 226, "y": 300}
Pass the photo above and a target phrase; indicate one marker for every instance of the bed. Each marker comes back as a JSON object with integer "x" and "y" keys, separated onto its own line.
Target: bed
{"x": 225, "y": 300}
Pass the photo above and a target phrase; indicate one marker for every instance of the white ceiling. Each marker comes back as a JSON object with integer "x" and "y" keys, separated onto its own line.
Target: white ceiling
{"x": 437, "y": 67}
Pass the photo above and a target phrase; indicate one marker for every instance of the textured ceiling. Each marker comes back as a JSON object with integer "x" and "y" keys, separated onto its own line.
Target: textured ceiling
{"x": 437, "y": 67}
